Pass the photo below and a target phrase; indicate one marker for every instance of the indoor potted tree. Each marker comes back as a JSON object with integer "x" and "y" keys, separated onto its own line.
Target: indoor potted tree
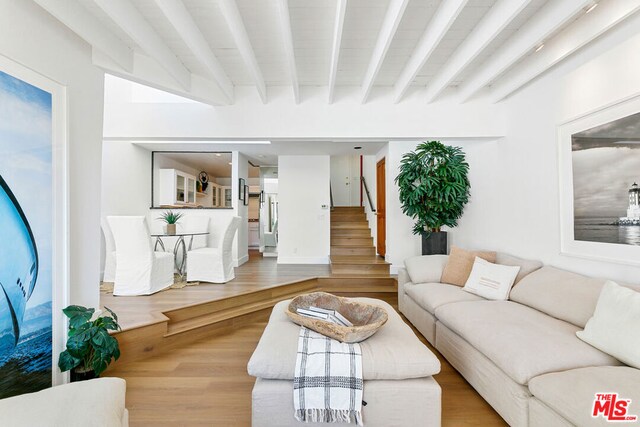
{"x": 434, "y": 188}
{"x": 90, "y": 348}
{"x": 171, "y": 219}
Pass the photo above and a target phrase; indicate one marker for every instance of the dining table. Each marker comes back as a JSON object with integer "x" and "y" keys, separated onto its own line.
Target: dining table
{"x": 180, "y": 247}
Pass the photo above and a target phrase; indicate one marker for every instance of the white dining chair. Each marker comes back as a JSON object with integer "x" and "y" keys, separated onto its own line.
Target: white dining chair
{"x": 196, "y": 224}
{"x": 214, "y": 265}
{"x": 139, "y": 269}
{"x": 109, "y": 274}
{"x": 271, "y": 237}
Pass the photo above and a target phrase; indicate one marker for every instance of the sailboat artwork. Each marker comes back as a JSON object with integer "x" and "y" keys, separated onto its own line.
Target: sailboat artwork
{"x": 18, "y": 267}
{"x": 26, "y": 237}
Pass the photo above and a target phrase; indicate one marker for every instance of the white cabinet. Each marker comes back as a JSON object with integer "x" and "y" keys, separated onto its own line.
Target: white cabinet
{"x": 176, "y": 188}
{"x": 215, "y": 193}
{"x": 226, "y": 197}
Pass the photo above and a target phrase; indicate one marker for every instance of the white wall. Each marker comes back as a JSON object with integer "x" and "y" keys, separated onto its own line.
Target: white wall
{"x": 514, "y": 203}
{"x": 30, "y": 36}
{"x": 240, "y": 170}
{"x": 303, "y": 223}
{"x": 369, "y": 174}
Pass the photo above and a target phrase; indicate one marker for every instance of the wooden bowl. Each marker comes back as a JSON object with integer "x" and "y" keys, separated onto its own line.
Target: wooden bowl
{"x": 366, "y": 318}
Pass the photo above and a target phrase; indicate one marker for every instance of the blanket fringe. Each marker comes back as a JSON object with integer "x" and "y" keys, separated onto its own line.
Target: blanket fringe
{"x": 329, "y": 416}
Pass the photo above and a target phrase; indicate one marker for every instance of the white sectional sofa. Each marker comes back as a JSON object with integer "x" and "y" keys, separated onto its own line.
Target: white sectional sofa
{"x": 521, "y": 355}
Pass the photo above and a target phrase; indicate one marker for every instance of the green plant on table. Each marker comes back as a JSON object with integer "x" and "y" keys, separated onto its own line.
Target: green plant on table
{"x": 170, "y": 217}
{"x": 434, "y": 186}
{"x": 90, "y": 347}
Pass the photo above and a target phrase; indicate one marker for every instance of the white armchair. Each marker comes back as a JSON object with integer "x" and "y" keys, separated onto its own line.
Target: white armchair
{"x": 109, "y": 274}
{"x": 214, "y": 265}
{"x": 139, "y": 270}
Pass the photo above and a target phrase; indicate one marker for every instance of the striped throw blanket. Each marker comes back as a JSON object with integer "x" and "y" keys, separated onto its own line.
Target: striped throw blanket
{"x": 327, "y": 386}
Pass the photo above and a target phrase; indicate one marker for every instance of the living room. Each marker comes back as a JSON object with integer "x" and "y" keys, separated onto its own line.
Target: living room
{"x": 541, "y": 97}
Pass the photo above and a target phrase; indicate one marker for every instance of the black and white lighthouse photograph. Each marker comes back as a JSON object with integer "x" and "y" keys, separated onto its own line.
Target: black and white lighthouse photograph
{"x": 606, "y": 182}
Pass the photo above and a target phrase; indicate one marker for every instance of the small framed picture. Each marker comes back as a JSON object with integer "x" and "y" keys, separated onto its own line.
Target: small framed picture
{"x": 241, "y": 186}
{"x": 245, "y": 200}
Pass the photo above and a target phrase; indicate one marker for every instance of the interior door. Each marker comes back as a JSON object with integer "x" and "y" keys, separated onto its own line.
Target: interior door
{"x": 341, "y": 180}
{"x": 381, "y": 208}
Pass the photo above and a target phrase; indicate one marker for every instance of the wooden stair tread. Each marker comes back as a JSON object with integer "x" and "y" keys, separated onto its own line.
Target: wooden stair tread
{"x": 357, "y": 259}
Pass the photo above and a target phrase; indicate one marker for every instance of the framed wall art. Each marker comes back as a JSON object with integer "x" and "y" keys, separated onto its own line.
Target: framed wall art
{"x": 600, "y": 184}
{"x": 33, "y": 224}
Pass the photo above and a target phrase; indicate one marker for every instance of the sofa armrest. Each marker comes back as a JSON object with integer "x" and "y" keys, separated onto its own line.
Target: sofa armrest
{"x": 403, "y": 277}
{"x": 101, "y": 399}
{"x": 426, "y": 268}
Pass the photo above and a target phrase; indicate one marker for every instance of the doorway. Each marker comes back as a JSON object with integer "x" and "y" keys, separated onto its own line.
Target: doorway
{"x": 381, "y": 208}
{"x": 345, "y": 180}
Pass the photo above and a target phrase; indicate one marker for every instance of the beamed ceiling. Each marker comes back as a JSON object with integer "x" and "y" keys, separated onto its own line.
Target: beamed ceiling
{"x": 202, "y": 49}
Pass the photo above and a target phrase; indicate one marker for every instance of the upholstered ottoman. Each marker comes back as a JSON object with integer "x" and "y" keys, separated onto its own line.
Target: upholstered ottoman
{"x": 397, "y": 369}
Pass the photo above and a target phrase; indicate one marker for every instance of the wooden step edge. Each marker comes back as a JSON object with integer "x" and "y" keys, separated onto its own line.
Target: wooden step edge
{"x": 355, "y": 262}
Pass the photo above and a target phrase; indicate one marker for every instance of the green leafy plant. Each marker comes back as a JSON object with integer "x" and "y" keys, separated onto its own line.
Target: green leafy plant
{"x": 170, "y": 217}
{"x": 89, "y": 345}
{"x": 434, "y": 187}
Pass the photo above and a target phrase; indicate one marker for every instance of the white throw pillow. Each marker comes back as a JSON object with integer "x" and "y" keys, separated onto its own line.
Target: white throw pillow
{"x": 615, "y": 325}
{"x": 491, "y": 281}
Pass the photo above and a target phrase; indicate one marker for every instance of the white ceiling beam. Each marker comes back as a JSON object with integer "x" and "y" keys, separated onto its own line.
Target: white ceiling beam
{"x": 131, "y": 21}
{"x": 285, "y": 26}
{"x": 341, "y": 8}
{"x": 492, "y": 24}
{"x": 179, "y": 17}
{"x": 608, "y": 15}
{"x": 552, "y": 16}
{"x": 439, "y": 25}
{"x": 385, "y": 37}
{"x": 89, "y": 28}
{"x": 148, "y": 72}
{"x": 230, "y": 11}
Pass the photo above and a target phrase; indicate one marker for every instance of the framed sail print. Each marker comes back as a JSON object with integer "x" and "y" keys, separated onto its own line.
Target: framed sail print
{"x": 33, "y": 226}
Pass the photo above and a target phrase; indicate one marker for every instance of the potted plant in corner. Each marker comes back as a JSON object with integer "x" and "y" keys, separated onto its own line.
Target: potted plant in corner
{"x": 90, "y": 348}
{"x": 434, "y": 188}
{"x": 171, "y": 219}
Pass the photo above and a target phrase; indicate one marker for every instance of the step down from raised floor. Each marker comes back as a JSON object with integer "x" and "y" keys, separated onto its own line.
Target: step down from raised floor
{"x": 352, "y": 250}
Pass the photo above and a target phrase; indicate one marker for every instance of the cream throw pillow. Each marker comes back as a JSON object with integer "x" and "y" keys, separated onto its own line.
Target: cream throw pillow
{"x": 491, "y": 281}
{"x": 615, "y": 325}
{"x": 460, "y": 263}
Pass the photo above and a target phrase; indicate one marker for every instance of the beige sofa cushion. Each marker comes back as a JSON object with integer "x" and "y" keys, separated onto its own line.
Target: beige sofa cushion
{"x": 393, "y": 353}
{"x": 571, "y": 393}
{"x": 562, "y": 294}
{"x": 98, "y": 402}
{"x": 426, "y": 268}
{"x": 521, "y": 341}
{"x": 527, "y": 266}
{"x": 460, "y": 263}
{"x": 432, "y": 295}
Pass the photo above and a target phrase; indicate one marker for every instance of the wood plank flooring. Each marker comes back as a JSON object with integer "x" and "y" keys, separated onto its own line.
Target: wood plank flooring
{"x": 257, "y": 273}
{"x": 206, "y": 384}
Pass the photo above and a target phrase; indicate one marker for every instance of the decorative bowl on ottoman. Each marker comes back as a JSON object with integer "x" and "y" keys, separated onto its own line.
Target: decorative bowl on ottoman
{"x": 366, "y": 318}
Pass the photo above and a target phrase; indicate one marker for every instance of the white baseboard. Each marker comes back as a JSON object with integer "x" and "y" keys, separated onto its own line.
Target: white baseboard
{"x": 241, "y": 260}
{"x": 302, "y": 260}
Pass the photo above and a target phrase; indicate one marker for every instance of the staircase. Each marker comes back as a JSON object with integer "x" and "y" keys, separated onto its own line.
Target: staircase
{"x": 352, "y": 250}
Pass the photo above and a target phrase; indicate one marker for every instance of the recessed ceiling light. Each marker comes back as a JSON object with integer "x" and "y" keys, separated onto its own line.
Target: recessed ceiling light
{"x": 218, "y": 155}
{"x": 230, "y": 163}
{"x": 539, "y": 48}
{"x": 357, "y": 148}
{"x": 590, "y": 8}
{"x": 261, "y": 156}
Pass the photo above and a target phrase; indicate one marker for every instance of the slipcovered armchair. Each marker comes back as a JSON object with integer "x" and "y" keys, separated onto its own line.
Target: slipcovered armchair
{"x": 139, "y": 269}
{"x": 109, "y": 274}
{"x": 214, "y": 265}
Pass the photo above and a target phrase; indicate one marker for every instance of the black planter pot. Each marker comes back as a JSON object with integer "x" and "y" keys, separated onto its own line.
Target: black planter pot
{"x": 82, "y": 376}
{"x": 435, "y": 243}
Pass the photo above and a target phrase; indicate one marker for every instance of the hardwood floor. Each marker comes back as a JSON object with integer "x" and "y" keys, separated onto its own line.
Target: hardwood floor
{"x": 258, "y": 273}
{"x": 206, "y": 384}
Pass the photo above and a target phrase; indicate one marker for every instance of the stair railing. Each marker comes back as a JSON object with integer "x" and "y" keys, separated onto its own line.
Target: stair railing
{"x": 366, "y": 191}
{"x": 330, "y": 195}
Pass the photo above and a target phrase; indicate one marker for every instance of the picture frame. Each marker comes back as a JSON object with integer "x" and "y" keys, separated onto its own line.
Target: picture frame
{"x": 241, "y": 184}
{"x": 573, "y": 240}
{"x": 245, "y": 199}
{"x": 52, "y": 246}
